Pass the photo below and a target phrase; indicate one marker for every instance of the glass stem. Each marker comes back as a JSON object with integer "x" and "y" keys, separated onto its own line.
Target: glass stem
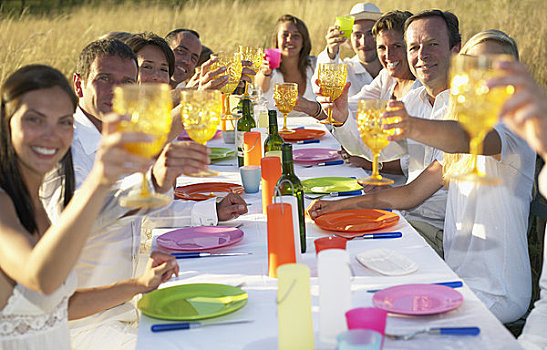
{"x": 144, "y": 186}
{"x": 329, "y": 115}
{"x": 375, "y": 160}
{"x": 228, "y": 109}
{"x": 475, "y": 148}
{"x": 285, "y": 121}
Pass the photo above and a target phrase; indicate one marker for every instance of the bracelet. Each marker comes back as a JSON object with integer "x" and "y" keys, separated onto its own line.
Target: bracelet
{"x": 319, "y": 110}
{"x": 380, "y": 166}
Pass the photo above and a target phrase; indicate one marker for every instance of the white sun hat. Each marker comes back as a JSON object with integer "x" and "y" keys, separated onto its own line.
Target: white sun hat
{"x": 365, "y": 10}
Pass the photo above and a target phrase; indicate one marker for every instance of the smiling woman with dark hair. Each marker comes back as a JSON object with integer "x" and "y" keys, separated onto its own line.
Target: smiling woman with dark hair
{"x": 37, "y": 285}
{"x": 155, "y": 58}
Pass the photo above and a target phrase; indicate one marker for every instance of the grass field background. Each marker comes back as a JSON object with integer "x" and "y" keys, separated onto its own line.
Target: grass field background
{"x": 56, "y": 37}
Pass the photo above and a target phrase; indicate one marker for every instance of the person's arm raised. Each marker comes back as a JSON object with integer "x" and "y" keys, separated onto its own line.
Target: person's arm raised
{"x": 446, "y": 135}
{"x": 46, "y": 265}
{"x": 403, "y": 197}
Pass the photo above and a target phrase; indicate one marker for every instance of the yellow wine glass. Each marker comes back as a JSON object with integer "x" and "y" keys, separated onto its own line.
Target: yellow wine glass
{"x": 201, "y": 114}
{"x": 149, "y": 106}
{"x": 331, "y": 78}
{"x": 370, "y": 122}
{"x": 232, "y": 62}
{"x": 475, "y": 106}
{"x": 285, "y": 95}
{"x": 253, "y": 55}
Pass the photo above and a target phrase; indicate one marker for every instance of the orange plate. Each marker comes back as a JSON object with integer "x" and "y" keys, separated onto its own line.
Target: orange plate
{"x": 302, "y": 135}
{"x": 206, "y": 190}
{"x": 354, "y": 222}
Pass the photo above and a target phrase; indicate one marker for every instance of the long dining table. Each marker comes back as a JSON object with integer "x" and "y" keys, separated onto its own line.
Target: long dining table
{"x": 261, "y": 308}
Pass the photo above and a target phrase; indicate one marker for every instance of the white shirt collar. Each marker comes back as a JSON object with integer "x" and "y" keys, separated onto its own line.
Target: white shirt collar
{"x": 86, "y": 133}
{"x": 358, "y": 67}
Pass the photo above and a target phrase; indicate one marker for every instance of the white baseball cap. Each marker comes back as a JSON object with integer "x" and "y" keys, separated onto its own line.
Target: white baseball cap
{"x": 365, "y": 10}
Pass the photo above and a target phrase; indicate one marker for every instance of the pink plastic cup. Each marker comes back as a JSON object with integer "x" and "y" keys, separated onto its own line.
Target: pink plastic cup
{"x": 274, "y": 57}
{"x": 330, "y": 242}
{"x": 367, "y": 318}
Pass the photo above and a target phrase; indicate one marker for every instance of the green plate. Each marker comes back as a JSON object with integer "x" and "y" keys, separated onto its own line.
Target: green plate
{"x": 330, "y": 184}
{"x": 192, "y": 301}
{"x": 218, "y": 153}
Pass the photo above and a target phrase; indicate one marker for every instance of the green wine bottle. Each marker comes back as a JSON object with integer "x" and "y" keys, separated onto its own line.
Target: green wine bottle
{"x": 289, "y": 184}
{"x": 244, "y": 124}
{"x": 272, "y": 144}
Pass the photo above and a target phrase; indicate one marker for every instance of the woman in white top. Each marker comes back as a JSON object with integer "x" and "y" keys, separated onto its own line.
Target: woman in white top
{"x": 154, "y": 56}
{"x": 485, "y": 226}
{"x": 37, "y": 287}
{"x": 292, "y": 38}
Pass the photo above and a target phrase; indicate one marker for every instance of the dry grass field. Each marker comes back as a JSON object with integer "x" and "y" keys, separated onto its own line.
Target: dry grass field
{"x": 56, "y": 39}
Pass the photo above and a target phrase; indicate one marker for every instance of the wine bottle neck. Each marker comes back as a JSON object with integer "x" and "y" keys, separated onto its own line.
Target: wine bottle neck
{"x": 287, "y": 164}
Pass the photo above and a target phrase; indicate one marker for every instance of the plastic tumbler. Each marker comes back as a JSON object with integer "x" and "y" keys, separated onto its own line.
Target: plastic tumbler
{"x": 367, "y": 318}
{"x": 345, "y": 23}
{"x": 359, "y": 339}
{"x": 250, "y": 177}
{"x": 330, "y": 242}
{"x": 274, "y": 57}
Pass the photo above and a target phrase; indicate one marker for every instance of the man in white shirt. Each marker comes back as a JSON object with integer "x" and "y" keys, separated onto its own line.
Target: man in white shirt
{"x": 364, "y": 66}
{"x": 111, "y": 255}
{"x": 432, "y": 37}
{"x": 186, "y": 46}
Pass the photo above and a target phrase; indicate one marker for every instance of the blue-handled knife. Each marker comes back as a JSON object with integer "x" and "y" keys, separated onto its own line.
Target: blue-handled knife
{"x": 346, "y": 193}
{"x": 330, "y": 162}
{"x": 203, "y": 255}
{"x": 381, "y": 235}
{"x": 190, "y": 325}
{"x": 453, "y": 284}
{"x": 305, "y": 142}
{"x": 455, "y": 330}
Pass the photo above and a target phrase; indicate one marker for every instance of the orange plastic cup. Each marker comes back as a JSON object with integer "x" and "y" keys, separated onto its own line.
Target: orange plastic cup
{"x": 330, "y": 242}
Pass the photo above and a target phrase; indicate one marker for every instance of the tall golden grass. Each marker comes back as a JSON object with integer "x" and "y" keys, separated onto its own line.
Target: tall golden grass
{"x": 56, "y": 40}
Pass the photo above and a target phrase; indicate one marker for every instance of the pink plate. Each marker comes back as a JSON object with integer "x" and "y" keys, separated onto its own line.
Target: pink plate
{"x": 417, "y": 299}
{"x": 199, "y": 238}
{"x": 315, "y": 155}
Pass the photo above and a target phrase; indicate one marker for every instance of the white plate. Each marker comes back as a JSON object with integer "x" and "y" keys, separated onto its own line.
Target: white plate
{"x": 387, "y": 262}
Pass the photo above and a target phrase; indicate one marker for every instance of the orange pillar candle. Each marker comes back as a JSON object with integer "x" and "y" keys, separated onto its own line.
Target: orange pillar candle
{"x": 271, "y": 172}
{"x": 280, "y": 237}
{"x": 252, "y": 148}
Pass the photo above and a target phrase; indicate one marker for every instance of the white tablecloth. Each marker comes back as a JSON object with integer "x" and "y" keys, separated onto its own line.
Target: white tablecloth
{"x": 262, "y": 290}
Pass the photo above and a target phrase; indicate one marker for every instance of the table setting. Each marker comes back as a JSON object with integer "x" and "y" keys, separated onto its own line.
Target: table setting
{"x": 225, "y": 295}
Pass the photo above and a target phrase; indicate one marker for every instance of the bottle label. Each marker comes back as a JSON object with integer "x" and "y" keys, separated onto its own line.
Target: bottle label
{"x": 239, "y": 143}
{"x": 273, "y": 154}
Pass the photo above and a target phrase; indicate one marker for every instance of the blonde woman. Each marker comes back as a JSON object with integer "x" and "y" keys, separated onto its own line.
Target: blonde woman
{"x": 485, "y": 226}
